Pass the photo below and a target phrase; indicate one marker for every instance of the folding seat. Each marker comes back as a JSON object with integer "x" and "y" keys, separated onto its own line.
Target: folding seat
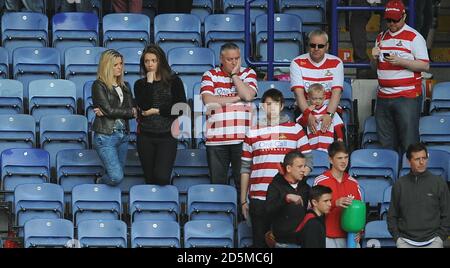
{"x": 435, "y": 130}
{"x": 87, "y": 102}
{"x": 376, "y": 235}
{"x": 312, "y": 12}
{"x": 202, "y": 8}
{"x": 223, "y": 28}
{"x": 17, "y": 131}
{"x": 133, "y": 173}
{"x": 190, "y": 168}
{"x": 257, "y": 7}
{"x": 23, "y": 166}
{"x": 375, "y": 170}
{"x": 370, "y": 137}
{"x": 102, "y": 234}
{"x": 208, "y": 234}
{"x": 132, "y": 59}
{"x": 74, "y": 29}
{"x": 75, "y": 167}
{"x": 288, "y": 38}
{"x": 81, "y": 65}
{"x": 11, "y": 97}
{"x": 48, "y": 233}
{"x": 386, "y": 202}
{"x": 438, "y": 163}
{"x": 161, "y": 234}
{"x": 96, "y": 202}
{"x": 244, "y": 235}
{"x": 38, "y": 201}
{"x": 126, "y": 30}
{"x": 190, "y": 63}
{"x": 4, "y": 63}
{"x": 24, "y": 29}
{"x": 212, "y": 202}
{"x": 52, "y": 96}
{"x": 35, "y": 63}
{"x": 58, "y": 132}
{"x": 440, "y": 99}
{"x": 154, "y": 202}
{"x": 177, "y": 30}
{"x": 321, "y": 164}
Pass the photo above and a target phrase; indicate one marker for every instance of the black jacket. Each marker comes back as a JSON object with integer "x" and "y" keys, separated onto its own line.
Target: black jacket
{"x": 284, "y": 216}
{"x": 109, "y": 103}
{"x": 311, "y": 234}
{"x": 419, "y": 208}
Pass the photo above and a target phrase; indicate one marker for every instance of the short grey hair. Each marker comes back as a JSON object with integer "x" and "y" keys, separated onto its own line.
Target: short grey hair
{"x": 318, "y": 32}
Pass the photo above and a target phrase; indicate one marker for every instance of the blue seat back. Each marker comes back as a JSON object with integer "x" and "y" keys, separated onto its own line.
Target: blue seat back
{"x": 434, "y": 130}
{"x": 154, "y": 202}
{"x": 48, "y": 233}
{"x": 161, "y": 234}
{"x": 440, "y": 99}
{"x": 374, "y": 163}
{"x": 17, "y": 131}
{"x": 4, "y": 63}
{"x": 321, "y": 164}
{"x": 377, "y": 235}
{"x": 370, "y": 138}
{"x": 102, "y": 233}
{"x": 257, "y": 8}
{"x": 132, "y": 59}
{"x": 208, "y": 234}
{"x": 244, "y": 235}
{"x": 202, "y": 8}
{"x": 11, "y": 97}
{"x": 126, "y": 30}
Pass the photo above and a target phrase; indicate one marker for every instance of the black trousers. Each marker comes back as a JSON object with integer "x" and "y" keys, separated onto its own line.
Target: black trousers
{"x": 174, "y": 6}
{"x": 157, "y": 155}
{"x": 260, "y": 222}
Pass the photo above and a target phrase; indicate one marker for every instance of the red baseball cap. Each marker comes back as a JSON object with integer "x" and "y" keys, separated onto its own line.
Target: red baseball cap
{"x": 394, "y": 10}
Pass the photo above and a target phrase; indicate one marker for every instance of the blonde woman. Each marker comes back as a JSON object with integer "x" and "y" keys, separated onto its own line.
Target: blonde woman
{"x": 113, "y": 107}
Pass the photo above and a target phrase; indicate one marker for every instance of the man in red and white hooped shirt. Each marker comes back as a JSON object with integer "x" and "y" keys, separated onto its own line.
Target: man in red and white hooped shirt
{"x": 317, "y": 66}
{"x": 227, "y": 92}
{"x": 401, "y": 55}
{"x": 264, "y": 148}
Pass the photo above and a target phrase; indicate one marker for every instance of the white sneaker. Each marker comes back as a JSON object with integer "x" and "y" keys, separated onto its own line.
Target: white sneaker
{"x": 427, "y": 75}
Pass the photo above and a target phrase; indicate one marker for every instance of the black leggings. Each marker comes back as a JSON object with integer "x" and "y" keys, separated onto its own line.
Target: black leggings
{"x": 157, "y": 156}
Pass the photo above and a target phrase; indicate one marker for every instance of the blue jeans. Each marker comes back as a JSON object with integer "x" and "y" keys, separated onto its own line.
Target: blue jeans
{"x": 398, "y": 122}
{"x": 112, "y": 150}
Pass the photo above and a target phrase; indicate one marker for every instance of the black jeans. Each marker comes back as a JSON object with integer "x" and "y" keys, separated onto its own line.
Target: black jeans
{"x": 260, "y": 222}
{"x": 157, "y": 155}
{"x": 424, "y": 17}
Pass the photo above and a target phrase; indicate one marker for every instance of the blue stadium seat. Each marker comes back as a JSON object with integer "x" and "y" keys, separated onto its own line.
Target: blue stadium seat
{"x": 438, "y": 163}
{"x": 208, "y": 234}
{"x": 24, "y": 29}
{"x": 11, "y": 97}
{"x": 4, "y": 63}
{"x": 185, "y": 132}
{"x": 212, "y": 202}
{"x": 87, "y": 102}
{"x": 346, "y": 103}
{"x": 51, "y": 96}
{"x": 74, "y": 29}
{"x": 223, "y": 28}
{"x": 17, "y": 131}
{"x": 161, "y": 234}
{"x": 133, "y": 134}
{"x": 435, "y": 130}
{"x": 288, "y": 38}
{"x": 154, "y": 202}
{"x": 244, "y": 235}
{"x": 370, "y": 137}
{"x": 440, "y": 99}
{"x": 126, "y": 30}
{"x": 377, "y": 235}
{"x": 386, "y": 202}
{"x": 75, "y": 167}
{"x": 177, "y": 30}
{"x": 95, "y": 202}
{"x": 321, "y": 164}
{"x": 35, "y": 63}
{"x": 200, "y": 131}
{"x": 23, "y": 166}
{"x": 133, "y": 173}
{"x": 38, "y": 201}
{"x": 312, "y": 12}
{"x": 81, "y": 65}
{"x": 197, "y": 100}
{"x": 257, "y": 7}
{"x": 48, "y": 233}
{"x": 190, "y": 64}
{"x": 102, "y": 234}
{"x": 132, "y": 59}
{"x": 190, "y": 168}
{"x": 149, "y": 8}
{"x": 58, "y": 132}
{"x": 202, "y": 8}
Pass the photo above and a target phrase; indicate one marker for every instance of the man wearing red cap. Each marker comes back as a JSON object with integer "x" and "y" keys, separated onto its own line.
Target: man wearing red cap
{"x": 401, "y": 55}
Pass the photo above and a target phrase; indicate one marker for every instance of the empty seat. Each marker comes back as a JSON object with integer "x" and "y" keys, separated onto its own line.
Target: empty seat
{"x": 244, "y": 235}
{"x": 102, "y": 233}
{"x": 257, "y": 7}
{"x": 11, "y": 97}
{"x": 435, "y": 130}
{"x": 202, "y": 8}
{"x": 177, "y": 30}
{"x": 95, "y": 202}
{"x": 87, "y": 102}
{"x": 132, "y": 60}
{"x": 208, "y": 234}
{"x": 126, "y": 30}
{"x": 133, "y": 172}
{"x": 370, "y": 137}
{"x": 386, "y": 202}
{"x": 154, "y": 202}
{"x": 321, "y": 164}
{"x": 312, "y": 12}
{"x": 440, "y": 99}
{"x": 438, "y": 164}
{"x": 48, "y": 233}
{"x": 4, "y": 63}
{"x": 376, "y": 235}
{"x": 51, "y": 96}
{"x": 161, "y": 234}
{"x": 17, "y": 131}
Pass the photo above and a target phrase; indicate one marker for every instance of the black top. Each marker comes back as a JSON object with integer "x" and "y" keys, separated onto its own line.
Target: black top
{"x": 156, "y": 95}
{"x": 312, "y": 235}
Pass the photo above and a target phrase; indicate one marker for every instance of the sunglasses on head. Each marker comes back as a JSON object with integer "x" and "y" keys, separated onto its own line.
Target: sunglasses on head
{"x": 393, "y": 21}
{"x": 320, "y": 46}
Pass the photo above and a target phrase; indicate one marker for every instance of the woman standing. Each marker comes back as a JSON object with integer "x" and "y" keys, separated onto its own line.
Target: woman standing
{"x": 113, "y": 107}
{"x": 155, "y": 95}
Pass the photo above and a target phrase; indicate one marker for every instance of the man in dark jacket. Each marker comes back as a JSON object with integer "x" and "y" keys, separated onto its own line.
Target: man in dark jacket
{"x": 287, "y": 199}
{"x": 418, "y": 215}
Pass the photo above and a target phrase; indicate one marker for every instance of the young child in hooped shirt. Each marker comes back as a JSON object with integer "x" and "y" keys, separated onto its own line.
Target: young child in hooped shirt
{"x": 320, "y": 140}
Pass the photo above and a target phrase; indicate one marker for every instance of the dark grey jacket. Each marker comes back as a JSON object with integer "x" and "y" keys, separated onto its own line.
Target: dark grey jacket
{"x": 419, "y": 208}
{"x": 109, "y": 103}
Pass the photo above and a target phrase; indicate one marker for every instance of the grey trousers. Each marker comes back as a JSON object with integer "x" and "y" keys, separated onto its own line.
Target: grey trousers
{"x": 437, "y": 243}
